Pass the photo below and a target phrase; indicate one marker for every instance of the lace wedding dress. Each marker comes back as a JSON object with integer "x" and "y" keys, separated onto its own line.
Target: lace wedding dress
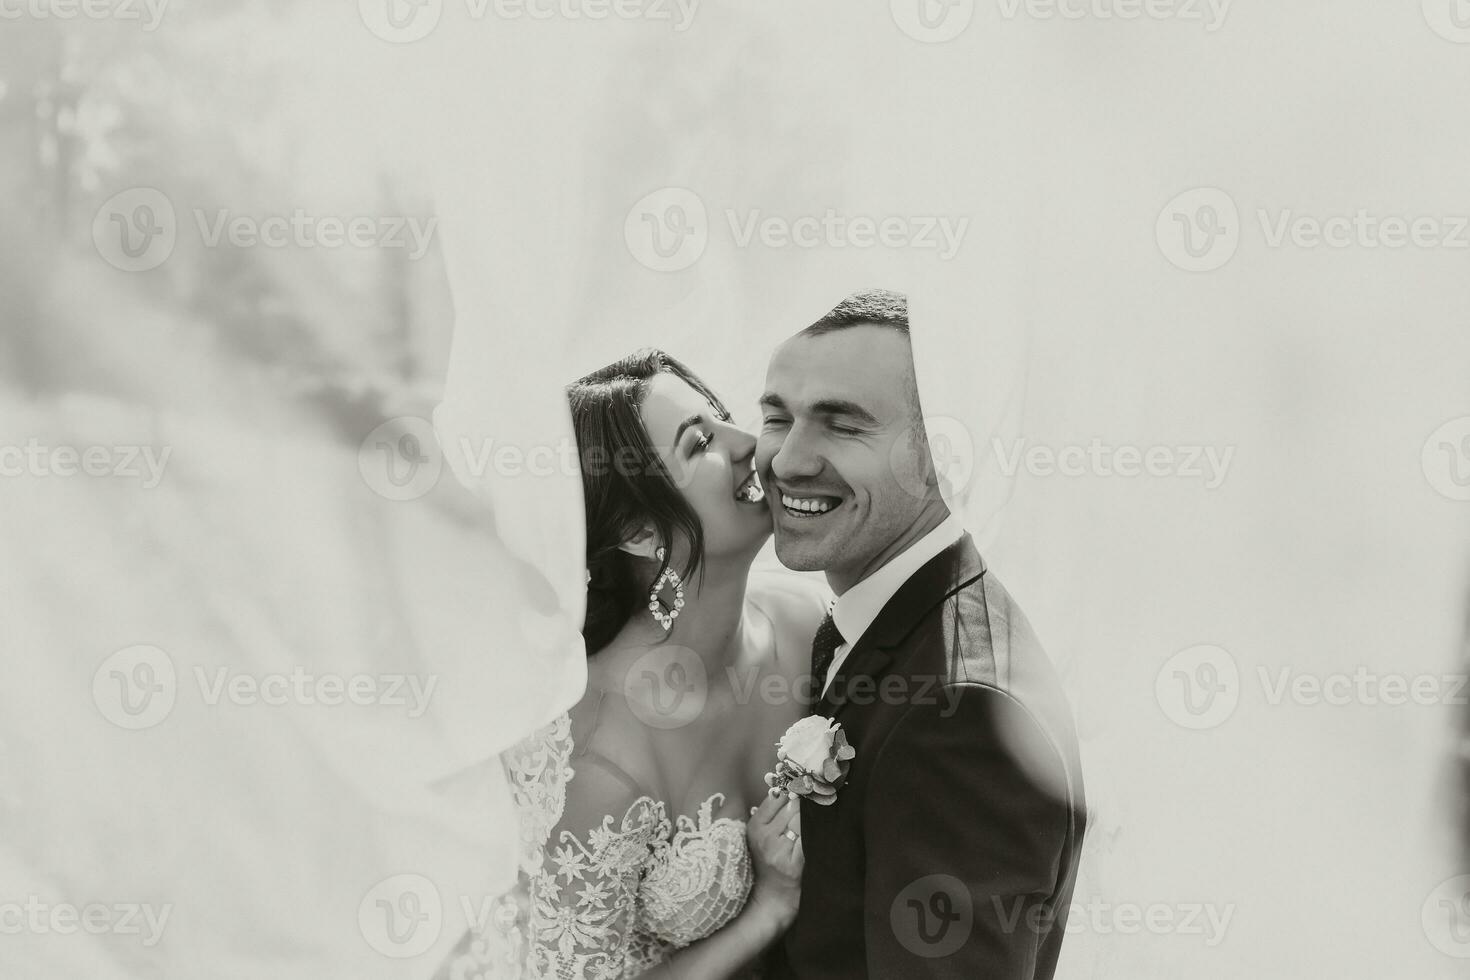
{"x": 611, "y": 883}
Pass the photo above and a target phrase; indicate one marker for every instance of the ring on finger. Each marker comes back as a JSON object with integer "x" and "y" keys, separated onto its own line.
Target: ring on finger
{"x": 790, "y": 835}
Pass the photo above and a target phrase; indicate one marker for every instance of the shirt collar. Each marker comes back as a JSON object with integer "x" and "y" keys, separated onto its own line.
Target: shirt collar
{"x": 854, "y": 611}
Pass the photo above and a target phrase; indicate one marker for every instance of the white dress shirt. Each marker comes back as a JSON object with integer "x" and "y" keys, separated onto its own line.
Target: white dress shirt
{"x": 854, "y": 611}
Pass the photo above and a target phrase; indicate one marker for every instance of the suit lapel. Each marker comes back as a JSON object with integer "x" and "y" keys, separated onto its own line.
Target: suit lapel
{"x": 939, "y": 578}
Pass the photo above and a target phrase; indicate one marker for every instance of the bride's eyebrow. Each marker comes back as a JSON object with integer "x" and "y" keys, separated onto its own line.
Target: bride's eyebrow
{"x": 679, "y": 432}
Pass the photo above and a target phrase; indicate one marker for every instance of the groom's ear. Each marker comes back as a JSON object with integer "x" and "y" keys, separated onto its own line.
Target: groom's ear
{"x": 643, "y": 544}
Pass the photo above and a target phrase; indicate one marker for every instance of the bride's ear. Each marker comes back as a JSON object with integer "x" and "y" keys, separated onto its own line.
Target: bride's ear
{"x": 643, "y": 544}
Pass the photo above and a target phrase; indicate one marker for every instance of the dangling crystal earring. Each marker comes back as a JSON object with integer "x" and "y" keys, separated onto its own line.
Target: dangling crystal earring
{"x": 656, "y": 605}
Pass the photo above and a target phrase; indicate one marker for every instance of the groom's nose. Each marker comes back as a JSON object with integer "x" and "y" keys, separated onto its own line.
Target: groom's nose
{"x": 795, "y": 458}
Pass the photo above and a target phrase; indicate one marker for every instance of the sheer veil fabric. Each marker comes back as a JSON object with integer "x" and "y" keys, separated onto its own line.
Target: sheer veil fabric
{"x": 601, "y": 191}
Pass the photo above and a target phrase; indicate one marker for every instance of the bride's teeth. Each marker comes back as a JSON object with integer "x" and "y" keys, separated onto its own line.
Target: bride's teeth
{"x": 750, "y": 490}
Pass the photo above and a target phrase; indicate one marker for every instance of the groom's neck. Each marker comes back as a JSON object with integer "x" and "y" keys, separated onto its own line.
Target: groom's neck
{"x": 934, "y": 514}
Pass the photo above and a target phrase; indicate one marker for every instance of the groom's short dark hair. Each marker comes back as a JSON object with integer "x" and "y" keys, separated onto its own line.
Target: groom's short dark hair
{"x": 882, "y": 307}
{"x": 875, "y": 307}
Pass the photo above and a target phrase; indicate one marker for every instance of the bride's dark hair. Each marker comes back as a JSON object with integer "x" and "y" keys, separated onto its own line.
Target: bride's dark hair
{"x": 626, "y": 487}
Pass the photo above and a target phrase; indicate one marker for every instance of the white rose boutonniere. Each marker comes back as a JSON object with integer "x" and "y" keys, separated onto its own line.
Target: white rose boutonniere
{"x": 812, "y": 760}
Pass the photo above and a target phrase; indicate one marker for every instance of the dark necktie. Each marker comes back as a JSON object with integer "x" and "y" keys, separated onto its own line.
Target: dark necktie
{"x": 824, "y": 648}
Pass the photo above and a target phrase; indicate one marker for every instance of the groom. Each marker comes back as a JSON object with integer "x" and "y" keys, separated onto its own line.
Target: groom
{"x": 951, "y": 851}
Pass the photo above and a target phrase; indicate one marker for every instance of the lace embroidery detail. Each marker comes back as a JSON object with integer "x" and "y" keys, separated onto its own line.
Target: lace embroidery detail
{"x": 699, "y": 879}
{"x": 616, "y": 902}
{"x": 537, "y": 768}
{"x": 585, "y": 900}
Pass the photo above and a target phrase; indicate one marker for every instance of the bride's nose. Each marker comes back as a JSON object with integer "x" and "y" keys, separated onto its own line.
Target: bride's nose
{"x": 741, "y": 442}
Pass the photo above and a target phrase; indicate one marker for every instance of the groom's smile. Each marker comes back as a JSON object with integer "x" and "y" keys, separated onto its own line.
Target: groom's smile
{"x": 804, "y": 506}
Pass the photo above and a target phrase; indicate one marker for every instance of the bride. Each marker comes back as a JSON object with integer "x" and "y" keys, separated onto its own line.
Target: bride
{"x": 669, "y": 856}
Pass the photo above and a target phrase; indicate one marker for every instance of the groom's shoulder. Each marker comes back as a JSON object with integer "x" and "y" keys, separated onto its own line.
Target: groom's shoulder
{"x": 986, "y": 640}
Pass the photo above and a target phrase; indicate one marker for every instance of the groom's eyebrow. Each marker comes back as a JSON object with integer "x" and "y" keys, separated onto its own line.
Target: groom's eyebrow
{"x": 841, "y": 406}
{"x": 826, "y": 407}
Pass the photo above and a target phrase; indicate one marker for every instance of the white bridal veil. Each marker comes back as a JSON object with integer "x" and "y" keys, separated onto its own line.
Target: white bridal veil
{"x": 708, "y": 192}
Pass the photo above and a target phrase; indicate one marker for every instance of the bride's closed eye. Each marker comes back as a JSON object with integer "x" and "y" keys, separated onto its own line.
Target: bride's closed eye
{"x": 706, "y": 439}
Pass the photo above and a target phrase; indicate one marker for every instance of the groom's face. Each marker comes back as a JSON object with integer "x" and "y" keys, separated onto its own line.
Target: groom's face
{"x": 837, "y": 450}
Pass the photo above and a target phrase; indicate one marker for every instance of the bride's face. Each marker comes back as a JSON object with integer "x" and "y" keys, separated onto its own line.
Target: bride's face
{"x": 711, "y": 460}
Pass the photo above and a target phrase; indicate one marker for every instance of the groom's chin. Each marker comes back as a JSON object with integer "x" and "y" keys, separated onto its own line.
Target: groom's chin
{"x": 798, "y": 556}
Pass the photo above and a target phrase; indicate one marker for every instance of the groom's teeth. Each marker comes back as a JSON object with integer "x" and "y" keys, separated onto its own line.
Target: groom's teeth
{"x": 806, "y": 505}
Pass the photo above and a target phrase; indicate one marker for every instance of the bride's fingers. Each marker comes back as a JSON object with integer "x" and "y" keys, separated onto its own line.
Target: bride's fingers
{"x": 788, "y": 820}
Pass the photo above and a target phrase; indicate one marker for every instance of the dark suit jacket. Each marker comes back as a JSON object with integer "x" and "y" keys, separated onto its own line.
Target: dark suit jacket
{"x": 951, "y": 851}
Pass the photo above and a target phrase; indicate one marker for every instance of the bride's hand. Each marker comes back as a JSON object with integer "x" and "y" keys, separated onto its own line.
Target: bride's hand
{"x": 778, "y": 858}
